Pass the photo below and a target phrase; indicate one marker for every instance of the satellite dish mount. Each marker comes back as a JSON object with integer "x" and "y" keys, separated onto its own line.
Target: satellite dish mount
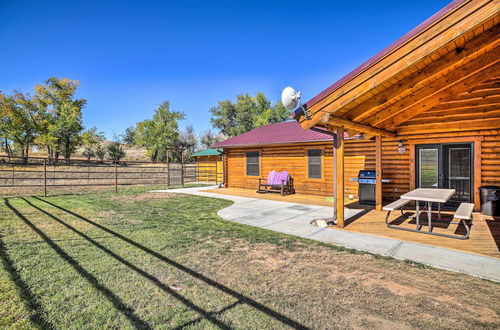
{"x": 290, "y": 98}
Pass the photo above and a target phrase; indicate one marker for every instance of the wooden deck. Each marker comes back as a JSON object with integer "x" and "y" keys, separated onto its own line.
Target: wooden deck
{"x": 294, "y": 198}
{"x": 484, "y": 238}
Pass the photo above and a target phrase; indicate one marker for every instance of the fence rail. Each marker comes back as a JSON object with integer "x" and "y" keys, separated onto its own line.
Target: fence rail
{"x": 38, "y": 174}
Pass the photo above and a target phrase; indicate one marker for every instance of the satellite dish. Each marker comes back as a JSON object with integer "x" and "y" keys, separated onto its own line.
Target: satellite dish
{"x": 290, "y": 98}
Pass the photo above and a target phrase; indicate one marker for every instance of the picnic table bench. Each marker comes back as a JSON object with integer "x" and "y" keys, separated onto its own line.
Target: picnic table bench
{"x": 429, "y": 196}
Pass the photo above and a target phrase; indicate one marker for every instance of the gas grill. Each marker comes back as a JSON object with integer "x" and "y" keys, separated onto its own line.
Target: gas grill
{"x": 366, "y": 186}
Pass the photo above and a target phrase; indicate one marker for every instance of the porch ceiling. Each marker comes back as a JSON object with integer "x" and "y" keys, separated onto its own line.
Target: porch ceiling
{"x": 444, "y": 78}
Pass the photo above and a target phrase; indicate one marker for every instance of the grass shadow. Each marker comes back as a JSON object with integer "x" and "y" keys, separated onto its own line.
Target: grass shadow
{"x": 143, "y": 273}
{"x": 37, "y": 314}
{"x": 219, "y": 312}
{"x": 240, "y": 297}
{"x": 115, "y": 300}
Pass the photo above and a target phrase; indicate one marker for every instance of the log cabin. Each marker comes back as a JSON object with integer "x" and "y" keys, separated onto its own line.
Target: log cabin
{"x": 428, "y": 107}
{"x": 284, "y": 146}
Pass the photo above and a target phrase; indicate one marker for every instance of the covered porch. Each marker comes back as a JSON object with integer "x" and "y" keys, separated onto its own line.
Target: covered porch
{"x": 484, "y": 238}
{"x": 432, "y": 92}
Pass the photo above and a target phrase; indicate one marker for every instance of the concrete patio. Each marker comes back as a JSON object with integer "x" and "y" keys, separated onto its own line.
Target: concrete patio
{"x": 294, "y": 219}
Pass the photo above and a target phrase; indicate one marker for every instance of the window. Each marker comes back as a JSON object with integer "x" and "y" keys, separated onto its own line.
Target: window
{"x": 314, "y": 163}
{"x": 253, "y": 164}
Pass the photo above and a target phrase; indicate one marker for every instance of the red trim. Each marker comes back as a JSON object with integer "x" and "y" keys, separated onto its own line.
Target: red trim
{"x": 422, "y": 26}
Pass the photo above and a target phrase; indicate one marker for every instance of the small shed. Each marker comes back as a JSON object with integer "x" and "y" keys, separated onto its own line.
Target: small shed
{"x": 208, "y": 165}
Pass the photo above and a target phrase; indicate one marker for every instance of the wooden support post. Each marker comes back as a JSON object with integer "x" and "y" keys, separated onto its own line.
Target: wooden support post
{"x": 168, "y": 170}
{"x": 340, "y": 177}
{"x": 378, "y": 173}
{"x": 116, "y": 176}
{"x": 182, "y": 168}
{"x": 44, "y": 178}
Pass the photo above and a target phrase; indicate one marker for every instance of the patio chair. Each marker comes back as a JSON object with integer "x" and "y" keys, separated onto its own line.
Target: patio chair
{"x": 276, "y": 182}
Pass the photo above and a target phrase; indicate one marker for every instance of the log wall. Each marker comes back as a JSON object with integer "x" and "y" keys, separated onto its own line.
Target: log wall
{"x": 290, "y": 158}
{"x": 360, "y": 154}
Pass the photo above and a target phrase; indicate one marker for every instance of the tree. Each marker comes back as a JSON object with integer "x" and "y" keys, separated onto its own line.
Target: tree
{"x": 19, "y": 122}
{"x": 128, "y": 136}
{"x": 100, "y": 152}
{"x": 209, "y": 137}
{"x": 159, "y": 133}
{"x": 62, "y": 120}
{"x": 188, "y": 141}
{"x": 5, "y": 124}
{"x": 88, "y": 153}
{"x": 92, "y": 137}
{"x": 247, "y": 113}
{"x": 115, "y": 151}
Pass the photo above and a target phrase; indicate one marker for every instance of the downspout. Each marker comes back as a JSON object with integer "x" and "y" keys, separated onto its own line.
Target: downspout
{"x": 221, "y": 150}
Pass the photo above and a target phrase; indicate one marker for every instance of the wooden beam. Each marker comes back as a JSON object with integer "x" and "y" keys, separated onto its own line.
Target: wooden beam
{"x": 469, "y": 102}
{"x": 451, "y": 108}
{"x": 444, "y": 32}
{"x": 444, "y": 89}
{"x": 451, "y": 116}
{"x": 440, "y": 91}
{"x": 378, "y": 171}
{"x": 336, "y": 121}
{"x": 426, "y": 75}
{"x": 454, "y": 126}
{"x": 339, "y": 181}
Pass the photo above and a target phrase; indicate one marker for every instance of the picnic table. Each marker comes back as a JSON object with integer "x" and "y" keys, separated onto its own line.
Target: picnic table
{"x": 428, "y": 196}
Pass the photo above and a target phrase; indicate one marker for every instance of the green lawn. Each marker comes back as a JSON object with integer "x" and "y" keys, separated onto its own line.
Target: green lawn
{"x": 143, "y": 260}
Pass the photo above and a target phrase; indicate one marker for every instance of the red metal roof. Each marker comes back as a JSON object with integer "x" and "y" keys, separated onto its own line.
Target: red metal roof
{"x": 284, "y": 132}
{"x": 420, "y": 28}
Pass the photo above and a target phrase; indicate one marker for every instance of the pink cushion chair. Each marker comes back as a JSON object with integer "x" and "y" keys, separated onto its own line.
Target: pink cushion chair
{"x": 276, "y": 182}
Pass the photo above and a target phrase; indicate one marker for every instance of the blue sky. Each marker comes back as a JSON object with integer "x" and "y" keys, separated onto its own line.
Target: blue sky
{"x": 131, "y": 55}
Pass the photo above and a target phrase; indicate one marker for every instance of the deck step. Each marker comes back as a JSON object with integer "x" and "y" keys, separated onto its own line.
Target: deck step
{"x": 464, "y": 211}
{"x": 396, "y": 205}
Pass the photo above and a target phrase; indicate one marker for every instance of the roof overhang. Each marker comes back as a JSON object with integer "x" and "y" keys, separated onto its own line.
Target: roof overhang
{"x": 253, "y": 145}
{"x": 444, "y": 57}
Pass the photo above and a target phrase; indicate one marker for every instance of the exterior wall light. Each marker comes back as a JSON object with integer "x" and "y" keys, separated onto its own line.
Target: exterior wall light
{"x": 401, "y": 147}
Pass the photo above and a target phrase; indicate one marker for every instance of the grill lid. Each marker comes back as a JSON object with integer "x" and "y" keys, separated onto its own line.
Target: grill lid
{"x": 366, "y": 174}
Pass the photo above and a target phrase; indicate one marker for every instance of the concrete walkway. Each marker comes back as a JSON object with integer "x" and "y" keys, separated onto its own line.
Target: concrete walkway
{"x": 293, "y": 219}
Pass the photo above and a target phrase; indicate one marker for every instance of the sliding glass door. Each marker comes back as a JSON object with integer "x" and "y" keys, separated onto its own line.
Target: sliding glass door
{"x": 446, "y": 166}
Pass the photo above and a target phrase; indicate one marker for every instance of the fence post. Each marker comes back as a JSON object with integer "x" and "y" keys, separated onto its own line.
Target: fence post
{"x": 182, "y": 168}
{"x": 44, "y": 178}
{"x": 116, "y": 177}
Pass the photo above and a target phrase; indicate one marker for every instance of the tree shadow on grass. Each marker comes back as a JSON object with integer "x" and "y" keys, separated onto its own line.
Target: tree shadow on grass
{"x": 143, "y": 273}
{"x": 36, "y": 313}
{"x": 115, "y": 300}
{"x": 240, "y": 297}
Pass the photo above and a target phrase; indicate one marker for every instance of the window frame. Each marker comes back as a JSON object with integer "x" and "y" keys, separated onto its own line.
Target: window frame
{"x": 322, "y": 170}
{"x": 258, "y": 175}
